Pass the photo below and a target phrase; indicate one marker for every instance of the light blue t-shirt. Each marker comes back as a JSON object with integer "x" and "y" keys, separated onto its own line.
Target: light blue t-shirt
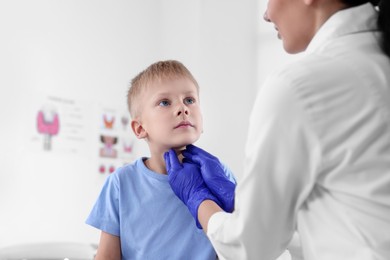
{"x": 139, "y": 206}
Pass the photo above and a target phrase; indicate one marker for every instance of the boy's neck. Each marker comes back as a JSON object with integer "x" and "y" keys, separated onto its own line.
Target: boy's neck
{"x": 156, "y": 163}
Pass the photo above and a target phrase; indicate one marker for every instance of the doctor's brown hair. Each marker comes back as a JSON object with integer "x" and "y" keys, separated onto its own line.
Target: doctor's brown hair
{"x": 159, "y": 71}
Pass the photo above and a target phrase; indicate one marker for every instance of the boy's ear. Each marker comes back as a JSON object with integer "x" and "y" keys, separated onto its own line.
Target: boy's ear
{"x": 138, "y": 130}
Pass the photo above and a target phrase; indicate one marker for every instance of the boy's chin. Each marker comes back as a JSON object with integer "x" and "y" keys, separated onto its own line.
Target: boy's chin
{"x": 181, "y": 145}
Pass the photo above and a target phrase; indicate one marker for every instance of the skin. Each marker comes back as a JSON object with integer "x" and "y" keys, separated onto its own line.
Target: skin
{"x": 296, "y": 21}
{"x": 109, "y": 247}
{"x": 169, "y": 117}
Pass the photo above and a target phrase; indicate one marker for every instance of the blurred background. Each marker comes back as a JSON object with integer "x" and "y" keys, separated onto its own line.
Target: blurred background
{"x": 65, "y": 68}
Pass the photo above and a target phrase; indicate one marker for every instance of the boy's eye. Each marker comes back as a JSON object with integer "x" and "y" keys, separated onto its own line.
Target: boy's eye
{"x": 189, "y": 101}
{"x": 164, "y": 103}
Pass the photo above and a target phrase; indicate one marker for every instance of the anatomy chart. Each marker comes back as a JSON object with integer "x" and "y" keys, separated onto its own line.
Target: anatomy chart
{"x": 57, "y": 125}
{"x": 61, "y": 126}
{"x": 116, "y": 139}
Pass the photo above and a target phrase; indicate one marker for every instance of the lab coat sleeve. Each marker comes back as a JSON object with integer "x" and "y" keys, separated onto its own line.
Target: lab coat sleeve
{"x": 282, "y": 159}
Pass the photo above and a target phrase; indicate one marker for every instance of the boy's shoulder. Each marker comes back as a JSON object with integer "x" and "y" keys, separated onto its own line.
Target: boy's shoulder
{"x": 128, "y": 169}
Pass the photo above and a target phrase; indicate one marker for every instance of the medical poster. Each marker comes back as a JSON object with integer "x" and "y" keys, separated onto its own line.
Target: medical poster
{"x": 64, "y": 126}
{"x": 116, "y": 146}
{"x": 57, "y": 125}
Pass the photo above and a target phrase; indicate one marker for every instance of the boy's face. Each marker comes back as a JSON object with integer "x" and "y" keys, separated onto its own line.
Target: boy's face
{"x": 170, "y": 115}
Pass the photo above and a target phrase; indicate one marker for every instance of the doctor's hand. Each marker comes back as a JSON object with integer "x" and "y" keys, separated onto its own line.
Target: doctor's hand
{"x": 187, "y": 183}
{"x": 214, "y": 174}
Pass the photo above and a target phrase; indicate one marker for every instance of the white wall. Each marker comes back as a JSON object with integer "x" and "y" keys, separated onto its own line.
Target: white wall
{"x": 86, "y": 52}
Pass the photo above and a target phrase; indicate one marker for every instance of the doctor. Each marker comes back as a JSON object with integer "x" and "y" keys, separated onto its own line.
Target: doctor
{"x": 318, "y": 149}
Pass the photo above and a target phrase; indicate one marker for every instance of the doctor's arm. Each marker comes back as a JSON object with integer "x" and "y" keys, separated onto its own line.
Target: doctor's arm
{"x": 205, "y": 211}
{"x": 282, "y": 155}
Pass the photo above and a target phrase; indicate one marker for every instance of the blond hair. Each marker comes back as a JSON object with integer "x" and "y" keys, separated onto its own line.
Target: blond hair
{"x": 161, "y": 70}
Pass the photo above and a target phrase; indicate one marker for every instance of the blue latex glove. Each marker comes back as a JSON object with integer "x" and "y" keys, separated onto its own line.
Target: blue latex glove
{"x": 187, "y": 183}
{"x": 214, "y": 175}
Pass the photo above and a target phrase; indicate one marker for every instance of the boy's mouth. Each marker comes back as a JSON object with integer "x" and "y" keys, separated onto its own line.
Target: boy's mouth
{"x": 184, "y": 124}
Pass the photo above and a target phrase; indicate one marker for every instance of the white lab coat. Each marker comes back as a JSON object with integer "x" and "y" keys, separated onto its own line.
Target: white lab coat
{"x": 318, "y": 153}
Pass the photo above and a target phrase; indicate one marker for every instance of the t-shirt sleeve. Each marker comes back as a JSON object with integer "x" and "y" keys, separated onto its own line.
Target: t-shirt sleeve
{"x": 105, "y": 212}
{"x": 228, "y": 173}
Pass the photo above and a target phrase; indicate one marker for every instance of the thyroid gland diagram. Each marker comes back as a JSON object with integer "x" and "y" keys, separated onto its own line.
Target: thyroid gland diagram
{"x": 109, "y": 143}
{"x": 48, "y": 125}
{"x": 108, "y": 121}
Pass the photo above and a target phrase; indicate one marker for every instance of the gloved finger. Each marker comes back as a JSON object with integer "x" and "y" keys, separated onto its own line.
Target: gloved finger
{"x": 196, "y": 154}
{"x": 188, "y": 160}
{"x": 187, "y": 154}
{"x": 198, "y": 151}
{"x": 195, "y": 159}
{"x": 167, "y": 161}
{"x": 172, "y": 160}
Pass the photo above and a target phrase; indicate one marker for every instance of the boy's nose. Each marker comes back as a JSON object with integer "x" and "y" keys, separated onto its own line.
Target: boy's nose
{"x": 182, "y": 110}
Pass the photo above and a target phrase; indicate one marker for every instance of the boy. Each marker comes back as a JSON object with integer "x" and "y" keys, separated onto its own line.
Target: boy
{"x": 139, "y": 215}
